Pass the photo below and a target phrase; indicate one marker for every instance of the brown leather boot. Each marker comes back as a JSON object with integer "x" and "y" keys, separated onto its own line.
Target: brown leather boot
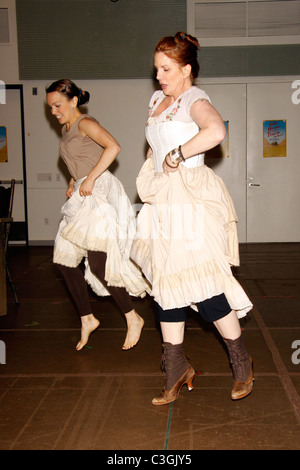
{"x": 178, "y": 372}
{"x": 242, "y": 367}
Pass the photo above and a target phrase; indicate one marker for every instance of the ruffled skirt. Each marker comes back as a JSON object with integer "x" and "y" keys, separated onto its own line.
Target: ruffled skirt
{"x": 105, "y": 222}
{"x": 186, "y": 238}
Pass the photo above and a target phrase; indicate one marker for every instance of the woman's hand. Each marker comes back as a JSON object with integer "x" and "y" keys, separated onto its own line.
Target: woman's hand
{"x": 70, "y": 188}
{"x": 149, "y": 153}
{"x": 169, "y": 166}
{"x": 86, "y": 187}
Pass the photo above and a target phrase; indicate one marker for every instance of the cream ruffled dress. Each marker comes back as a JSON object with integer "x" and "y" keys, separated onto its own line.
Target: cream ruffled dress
{"x": 103, "y": 221}
{"x": 186, "y": 239}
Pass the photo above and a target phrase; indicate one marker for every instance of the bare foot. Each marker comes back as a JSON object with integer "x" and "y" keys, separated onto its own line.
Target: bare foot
{"x": 88, "y": 324}
{"x": 134, "y": 328}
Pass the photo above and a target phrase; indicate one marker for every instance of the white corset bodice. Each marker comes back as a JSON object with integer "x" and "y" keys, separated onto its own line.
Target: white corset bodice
{"x": 173, "y": 127}
{"x": 165, "y": 136}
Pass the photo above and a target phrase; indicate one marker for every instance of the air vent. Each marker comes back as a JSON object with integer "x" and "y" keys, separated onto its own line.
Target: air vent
{"x": 280, "y": 18}
{"x": 253, "y": 21}
{"x": 4, "y": 26}
{"x": 220, "y": 20}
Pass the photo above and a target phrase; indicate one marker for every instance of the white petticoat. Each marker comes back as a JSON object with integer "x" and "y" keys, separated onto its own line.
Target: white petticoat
{"x": 186, "y": 239}
{"x": 105, "y": 222}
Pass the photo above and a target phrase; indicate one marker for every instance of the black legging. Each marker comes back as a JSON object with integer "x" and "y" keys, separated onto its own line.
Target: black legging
{"x": 77, "y": 286}
{"x": 210, "y": 310}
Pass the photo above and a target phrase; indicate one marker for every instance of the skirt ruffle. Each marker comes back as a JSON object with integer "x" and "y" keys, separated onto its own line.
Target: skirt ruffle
{"x": 186, "y": 239}
{"x": 105, "y": 222}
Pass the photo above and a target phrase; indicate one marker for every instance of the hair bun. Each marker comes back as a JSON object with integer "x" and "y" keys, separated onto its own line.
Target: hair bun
{"x": 83, "y": 97}
{"x": 69, "y": 89}
{"x": 181, "y": 35}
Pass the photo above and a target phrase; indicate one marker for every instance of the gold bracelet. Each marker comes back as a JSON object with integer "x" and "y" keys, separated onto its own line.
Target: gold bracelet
{"x": 176, "y": 156}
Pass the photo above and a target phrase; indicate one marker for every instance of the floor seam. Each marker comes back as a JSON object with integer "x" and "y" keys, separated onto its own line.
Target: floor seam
{"x": 282, "y": 371}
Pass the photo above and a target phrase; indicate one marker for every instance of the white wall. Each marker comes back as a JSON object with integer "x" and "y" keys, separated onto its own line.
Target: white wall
{"x": 9, "y": 70}
{"x": 120, "y": 106}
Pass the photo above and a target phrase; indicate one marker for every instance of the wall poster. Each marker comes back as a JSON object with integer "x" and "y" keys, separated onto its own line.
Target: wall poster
{"x": 274, "y": 138}
{"x": 3, "y": 145}
{"x": 221, "y": 150}
{"x": 225, "y": 143}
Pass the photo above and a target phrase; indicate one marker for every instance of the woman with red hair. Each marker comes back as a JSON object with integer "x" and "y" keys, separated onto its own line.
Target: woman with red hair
{"x": 186, "y": 236}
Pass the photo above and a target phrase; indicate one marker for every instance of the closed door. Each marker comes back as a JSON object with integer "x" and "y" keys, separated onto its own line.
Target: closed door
{"x": 264, "y": 184}
{"x": 273, "y": 163}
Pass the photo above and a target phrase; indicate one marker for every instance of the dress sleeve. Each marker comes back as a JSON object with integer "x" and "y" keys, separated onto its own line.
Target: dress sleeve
{"x": 154, "y": 98}
{"x": 195, "y": 95}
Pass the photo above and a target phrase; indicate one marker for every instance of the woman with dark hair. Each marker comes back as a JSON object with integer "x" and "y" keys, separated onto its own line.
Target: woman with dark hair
{"x": 186, "y": 236}
{"x": 97, "y": 223}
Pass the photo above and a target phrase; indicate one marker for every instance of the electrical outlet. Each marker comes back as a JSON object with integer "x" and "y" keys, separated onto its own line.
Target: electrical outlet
{"x": 44, "y": 177}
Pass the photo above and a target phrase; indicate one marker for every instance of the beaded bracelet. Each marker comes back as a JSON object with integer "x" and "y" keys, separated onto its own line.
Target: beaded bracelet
{"x": 180, "y": 153}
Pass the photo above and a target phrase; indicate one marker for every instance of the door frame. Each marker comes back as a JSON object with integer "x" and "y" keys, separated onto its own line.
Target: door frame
{"x": 20, "y": 88}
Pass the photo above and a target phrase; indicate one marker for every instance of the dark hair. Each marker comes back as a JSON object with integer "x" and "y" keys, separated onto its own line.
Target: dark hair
{"x": 183, "y": 48}
{"x": 69, "y": 89}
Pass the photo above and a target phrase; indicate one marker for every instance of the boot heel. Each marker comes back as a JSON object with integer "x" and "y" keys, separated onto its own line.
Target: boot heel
{"x": 189, "y": 382}
{"x": 167, "y": 396}
{"x": 190, "y": 386}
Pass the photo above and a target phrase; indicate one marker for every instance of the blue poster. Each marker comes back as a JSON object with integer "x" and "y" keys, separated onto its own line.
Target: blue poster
{"x": 3, "y": 145}
{"x": 274, "y": 141}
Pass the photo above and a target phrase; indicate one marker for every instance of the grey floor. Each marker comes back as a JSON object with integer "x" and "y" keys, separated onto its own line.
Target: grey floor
{"x": 53, "y": 397}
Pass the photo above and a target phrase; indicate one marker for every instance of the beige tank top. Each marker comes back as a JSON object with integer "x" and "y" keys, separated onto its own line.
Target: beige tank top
{"x": 79, "y": 153}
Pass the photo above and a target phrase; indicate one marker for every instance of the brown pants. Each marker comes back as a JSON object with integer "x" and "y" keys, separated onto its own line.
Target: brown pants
{"x": 77, "y": 286}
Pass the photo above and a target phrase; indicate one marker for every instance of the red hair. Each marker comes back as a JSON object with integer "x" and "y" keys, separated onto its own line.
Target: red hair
{"x": 182, "y": 48}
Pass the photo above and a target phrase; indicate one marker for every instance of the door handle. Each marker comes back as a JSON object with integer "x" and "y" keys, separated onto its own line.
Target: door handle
{"x": 253, "y": 184}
